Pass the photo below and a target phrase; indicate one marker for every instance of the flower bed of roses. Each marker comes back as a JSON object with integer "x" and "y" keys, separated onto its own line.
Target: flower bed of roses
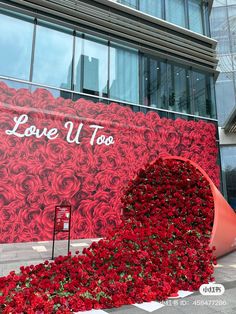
{"x": 161, "y": 246}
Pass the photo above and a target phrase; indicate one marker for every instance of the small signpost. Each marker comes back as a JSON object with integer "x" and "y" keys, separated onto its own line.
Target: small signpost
{"x": 62, "y": 222}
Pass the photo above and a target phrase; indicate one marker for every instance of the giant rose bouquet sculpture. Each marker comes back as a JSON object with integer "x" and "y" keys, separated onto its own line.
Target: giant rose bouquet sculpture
{"x": 160, "y": 247}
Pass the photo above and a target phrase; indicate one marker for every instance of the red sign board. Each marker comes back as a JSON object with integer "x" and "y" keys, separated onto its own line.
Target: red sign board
{"x": 62, "y": 218}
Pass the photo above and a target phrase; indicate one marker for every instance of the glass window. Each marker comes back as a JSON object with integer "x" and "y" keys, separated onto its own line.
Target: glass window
{"x": 224, "y": 86}
{"x": 231, "y": 2}
{"x": 53, "y": 56}
{"x": 199, "y": 92}
{"x": 181, "y": 89}
{"x": 232, "y": 25}
{"x": 153, "y": 83}
{"x": 233, "y": 41}
{"x": 210, "y": 100}
{"x": 206, "y": 21}
{"x": 170, "y": 90}
{"x": 219, "y": 3}
{"x": 178, "y": 88}
{"x": 202, "y": 94}
{"x": 16, "y": 37}
{"x": 195, "y": 16}
{"x": 151, "y": 7}
{"x": 220, "y": 29}
{"x": 129, "y": 3}
{"x": 145, "y": 99}
{"x": 228, "y": 158}
{"x": 124, "y": 76}
{"x": 175, "y": 12}
{"x": 93, "y": 63}
{"x": 78, "y": 63}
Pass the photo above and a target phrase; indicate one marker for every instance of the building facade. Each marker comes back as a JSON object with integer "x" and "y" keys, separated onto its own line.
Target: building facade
{"x": 172, "y": 69}
{"x": 145, "y": 70}
{"x": 223, "y": 26}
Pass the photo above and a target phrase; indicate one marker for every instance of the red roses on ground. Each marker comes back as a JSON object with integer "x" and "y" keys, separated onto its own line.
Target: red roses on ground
{"x": 161, "y": 246}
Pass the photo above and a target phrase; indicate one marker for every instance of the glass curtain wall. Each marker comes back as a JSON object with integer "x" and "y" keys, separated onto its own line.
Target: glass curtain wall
{"x": 130, "y": 3}
{"x": 78, "y": 63}
{"x": 153, "y": 82}
{"x": 228, "y": 156}
{"x": 16, "y": 37}
{"x": 181, "y": 89}
{"x": 191, "y": 14}
{"x": 223, "y": 29}
{"x": 151, "y": 7}
{"x": 203, "y": 96}
{"x": 57, "y": 57}
{"x": 175, "y": 12}
{"x": 178, "y": 88}
{"x": 195, "y": 16}
{"x": 91, "y": 65}
{"x": 53, "y": 56}
{"x": 124, "y": 75}
{"x": 199, "y": 92}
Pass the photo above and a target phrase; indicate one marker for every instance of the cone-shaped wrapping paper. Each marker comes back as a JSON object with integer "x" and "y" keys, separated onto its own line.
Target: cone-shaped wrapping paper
{"x": 223, "y": 235}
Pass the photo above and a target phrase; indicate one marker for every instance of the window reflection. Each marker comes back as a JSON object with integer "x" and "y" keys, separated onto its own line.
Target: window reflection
{"x": 178, "y": 88}
{"x": 210, "y": 101}
{"x": 16, "y": 38}
{"x": 53, "y": 56}
{"x": 229, "y": 173}
{"x": 153, "y": 82}
{"x": 91, "y": 65}
{"x": 78, "y": 63}
{"x": 181, "y": 89}
{"x": 232, "y": 25}
{"x": 124, "y": 78}
{"x": 199, "y": 93}
{"x": 225, "y": 86}
{"x": 151, "y": 7}
{"x": 203, "y": 98}
{"x": 132, "y": 77}
{"x": 217, "y": 3}
{"x": 220, "y": 29}
{"x": 175, "y": 12}
{"x": 130, "y": 3}
{"x": 195, "y": 16}
{"x": 223, "y": 24}
{"x": 95, "y": 66}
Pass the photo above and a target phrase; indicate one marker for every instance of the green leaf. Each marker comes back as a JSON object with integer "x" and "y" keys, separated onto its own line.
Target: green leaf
{"x": 87, "y": 295}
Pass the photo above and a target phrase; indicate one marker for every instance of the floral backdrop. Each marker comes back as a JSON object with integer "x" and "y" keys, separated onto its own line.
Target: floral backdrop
{"x": 54, "y": 150}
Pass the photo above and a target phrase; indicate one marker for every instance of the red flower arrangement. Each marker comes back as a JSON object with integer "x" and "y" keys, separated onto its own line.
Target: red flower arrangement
{"x": 161, "y": 246}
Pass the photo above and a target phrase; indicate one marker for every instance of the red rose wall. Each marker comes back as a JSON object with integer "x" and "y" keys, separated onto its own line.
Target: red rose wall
{"x": 84, "y": 153}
